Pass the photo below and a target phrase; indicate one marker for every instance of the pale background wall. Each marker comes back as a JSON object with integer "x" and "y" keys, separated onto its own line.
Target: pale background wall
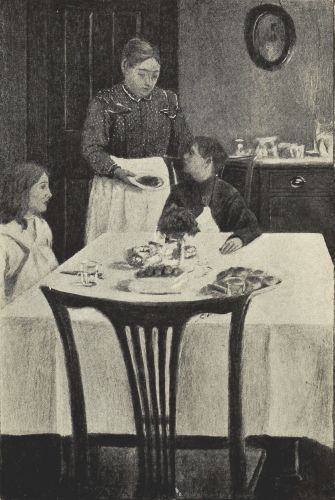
{"x": 225, "y": 95}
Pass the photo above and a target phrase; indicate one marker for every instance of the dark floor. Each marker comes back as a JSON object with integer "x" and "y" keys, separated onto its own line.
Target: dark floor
{"x": 31, "y": 468}
{"x": 316, "y": 467}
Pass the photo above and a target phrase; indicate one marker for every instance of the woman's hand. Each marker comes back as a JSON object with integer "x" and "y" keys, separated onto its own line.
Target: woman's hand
{"x": 123, "y": 175}
{"x": 231, "y": 245}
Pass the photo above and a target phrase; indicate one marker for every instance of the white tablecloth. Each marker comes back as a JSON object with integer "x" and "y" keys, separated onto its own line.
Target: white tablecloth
{"x": 288, "y": 357}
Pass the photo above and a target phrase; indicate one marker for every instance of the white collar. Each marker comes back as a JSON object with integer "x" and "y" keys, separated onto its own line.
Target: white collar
{"x": 134, "y": 98}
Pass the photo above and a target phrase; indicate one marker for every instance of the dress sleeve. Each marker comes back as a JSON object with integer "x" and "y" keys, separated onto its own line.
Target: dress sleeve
{"x": 95, "y": 139}
{"x": 181, "y": 137}
{"x": 235, "y": 216}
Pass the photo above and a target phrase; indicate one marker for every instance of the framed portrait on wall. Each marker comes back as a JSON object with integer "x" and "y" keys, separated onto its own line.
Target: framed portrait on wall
{"x": 270, "y": 36}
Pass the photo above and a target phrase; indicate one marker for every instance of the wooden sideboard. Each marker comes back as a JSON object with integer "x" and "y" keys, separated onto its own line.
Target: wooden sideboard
{"x": 289, "y": 195}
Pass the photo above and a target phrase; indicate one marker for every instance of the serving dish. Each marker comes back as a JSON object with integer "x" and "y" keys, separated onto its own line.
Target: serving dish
{"x": 241, "y": 280}
{"x": 147, "y": 182}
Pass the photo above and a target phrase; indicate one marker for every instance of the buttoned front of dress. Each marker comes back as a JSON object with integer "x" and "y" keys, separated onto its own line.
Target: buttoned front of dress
{"x": 144, "y": 130}
{"x": 125, "y": 126}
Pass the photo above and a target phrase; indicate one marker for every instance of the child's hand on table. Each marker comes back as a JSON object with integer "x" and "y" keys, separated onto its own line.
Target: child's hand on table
{"x": 231, "y": 245}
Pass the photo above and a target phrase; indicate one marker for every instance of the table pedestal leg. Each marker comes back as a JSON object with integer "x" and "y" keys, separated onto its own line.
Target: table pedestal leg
{"x": 151, "y": 355}
{"x": 237, "y": 451}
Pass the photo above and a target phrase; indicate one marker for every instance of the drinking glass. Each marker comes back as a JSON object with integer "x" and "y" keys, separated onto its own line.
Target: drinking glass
{"x": 235, "y": 286}
{"x": 89, "y": 270}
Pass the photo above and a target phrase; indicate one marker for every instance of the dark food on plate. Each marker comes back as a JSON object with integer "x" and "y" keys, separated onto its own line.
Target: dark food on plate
{"x": 258, "y": 272}
{"x": 253, "y": 283}
{"x": 159, "y": 271}
{"x": 150, "y": 181}
{"x": 254, "y": 279}
{"x": 240, "y": 272}
{"x": 270, "y": 281}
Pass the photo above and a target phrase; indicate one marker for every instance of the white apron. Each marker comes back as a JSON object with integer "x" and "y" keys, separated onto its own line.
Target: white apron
{"x": 206, "y": 222}
{"x": 117, "y": 207}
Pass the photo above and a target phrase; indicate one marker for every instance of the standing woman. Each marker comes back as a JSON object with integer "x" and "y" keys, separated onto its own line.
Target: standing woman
{"x": 26, "y": 254}
{"x": 133, "y": 119}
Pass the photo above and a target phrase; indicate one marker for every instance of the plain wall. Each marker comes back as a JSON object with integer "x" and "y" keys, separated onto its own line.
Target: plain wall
{"x": 226, "y": 95}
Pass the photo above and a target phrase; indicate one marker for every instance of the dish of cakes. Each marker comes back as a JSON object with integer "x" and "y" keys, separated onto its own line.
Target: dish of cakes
{"x": 241, "y": 280}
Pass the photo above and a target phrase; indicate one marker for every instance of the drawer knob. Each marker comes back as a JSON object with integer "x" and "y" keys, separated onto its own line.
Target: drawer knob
{"x": 298, "y": 181}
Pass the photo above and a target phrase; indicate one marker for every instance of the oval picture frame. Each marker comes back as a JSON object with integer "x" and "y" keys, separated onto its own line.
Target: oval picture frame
{"x": 270, "y": 36}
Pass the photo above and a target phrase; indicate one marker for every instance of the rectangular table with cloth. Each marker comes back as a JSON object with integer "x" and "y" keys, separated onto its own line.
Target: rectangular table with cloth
{"x": 288, "y": 363}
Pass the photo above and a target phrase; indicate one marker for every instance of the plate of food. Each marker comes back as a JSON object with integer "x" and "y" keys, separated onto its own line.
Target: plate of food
{"x": 241, "y": 280}
{"x": 144, "y": 255}
{"x": 158, "y": 280}
{"x": 147, "y": 182}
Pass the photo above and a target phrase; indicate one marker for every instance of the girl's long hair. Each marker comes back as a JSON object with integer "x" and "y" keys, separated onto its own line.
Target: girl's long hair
{"x": 16, "y": 182}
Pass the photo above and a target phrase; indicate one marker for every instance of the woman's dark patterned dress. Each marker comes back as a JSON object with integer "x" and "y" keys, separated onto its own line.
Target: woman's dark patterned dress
{"x": 125, "y": 126}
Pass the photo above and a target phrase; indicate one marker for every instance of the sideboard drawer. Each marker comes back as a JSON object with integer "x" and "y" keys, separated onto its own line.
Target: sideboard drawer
{"x": 302, "y": 180}
{"x": 311, "y": 214}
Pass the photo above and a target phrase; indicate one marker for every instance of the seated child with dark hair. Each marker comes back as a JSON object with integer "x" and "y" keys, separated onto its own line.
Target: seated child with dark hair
{"x": 203, "y": 188}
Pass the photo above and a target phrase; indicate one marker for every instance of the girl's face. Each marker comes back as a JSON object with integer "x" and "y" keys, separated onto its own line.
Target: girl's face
{"x": 39, "y": 195}
{"x": 141, "y": 78}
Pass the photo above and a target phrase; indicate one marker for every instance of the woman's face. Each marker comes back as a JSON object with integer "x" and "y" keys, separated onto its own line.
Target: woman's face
{"x": 39, "y": 195}
{"x": 141, "y": 78}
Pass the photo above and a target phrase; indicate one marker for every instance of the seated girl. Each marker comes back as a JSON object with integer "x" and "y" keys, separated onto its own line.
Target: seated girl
{"x": 26, "y": 254}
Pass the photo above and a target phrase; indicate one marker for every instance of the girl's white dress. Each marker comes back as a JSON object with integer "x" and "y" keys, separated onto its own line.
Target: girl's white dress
{"x": 26, "y": 256}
